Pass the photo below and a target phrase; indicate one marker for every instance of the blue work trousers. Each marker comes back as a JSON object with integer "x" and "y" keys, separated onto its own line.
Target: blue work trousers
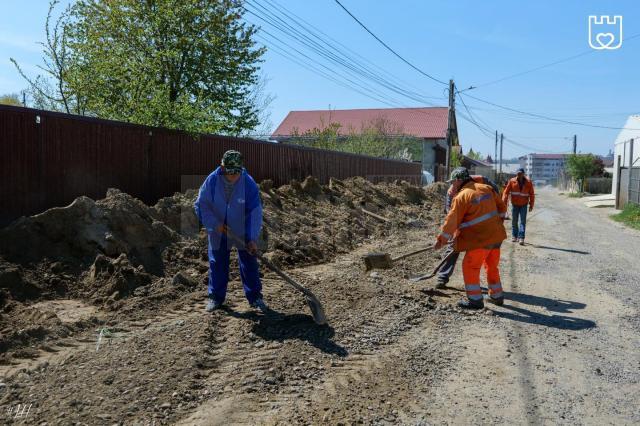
{"x": 219, "y": 272}
{"x": 518, "y": 214}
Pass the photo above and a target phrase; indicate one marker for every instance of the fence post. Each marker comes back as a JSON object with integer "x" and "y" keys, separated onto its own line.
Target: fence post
{"x": 630, "y": 171}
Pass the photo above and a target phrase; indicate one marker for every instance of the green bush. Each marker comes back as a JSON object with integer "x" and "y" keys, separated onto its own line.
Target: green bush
{"x": 630, "y": 216}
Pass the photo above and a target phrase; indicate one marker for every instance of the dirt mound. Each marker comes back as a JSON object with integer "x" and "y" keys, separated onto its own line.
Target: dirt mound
{"x": 439, "y": 188}
{"x": 14, "y": 285}
{"x": 74, "y": 234}
{"x": 125, "y": 257}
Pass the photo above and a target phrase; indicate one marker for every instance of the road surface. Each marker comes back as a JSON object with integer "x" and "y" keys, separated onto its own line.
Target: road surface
{"x": 565, "y": 348}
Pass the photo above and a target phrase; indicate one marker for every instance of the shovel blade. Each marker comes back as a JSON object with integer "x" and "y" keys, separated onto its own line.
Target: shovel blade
{"x": 377, "y": 261}
{"x": 316, "y": 310}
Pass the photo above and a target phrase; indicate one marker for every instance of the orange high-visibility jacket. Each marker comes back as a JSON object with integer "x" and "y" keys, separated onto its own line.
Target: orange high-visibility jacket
{"x": 475, "y": 218}
{"x": 519, "y": 196}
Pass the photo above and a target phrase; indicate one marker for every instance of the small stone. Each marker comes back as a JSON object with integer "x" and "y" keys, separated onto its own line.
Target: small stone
{"x": 166, "y": 405}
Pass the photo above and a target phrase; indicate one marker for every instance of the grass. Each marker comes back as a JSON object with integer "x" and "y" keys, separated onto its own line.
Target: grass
{"x": 630, "y": 216}
{"x": 576, "y": 194}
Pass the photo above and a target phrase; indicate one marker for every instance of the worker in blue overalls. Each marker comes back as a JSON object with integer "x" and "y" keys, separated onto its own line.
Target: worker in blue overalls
{"x": 229, "y": 200}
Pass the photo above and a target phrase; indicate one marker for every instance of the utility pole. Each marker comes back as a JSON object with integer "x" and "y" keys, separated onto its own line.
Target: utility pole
{"x": 452, "y": 101}
{"x": 24, "y": 98}
{"x": 495, "y": 155}
{"x": 501, "y": 140}
{"x": 575, "y": 143}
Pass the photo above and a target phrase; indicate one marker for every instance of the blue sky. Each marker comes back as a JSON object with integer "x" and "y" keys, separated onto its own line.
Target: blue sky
{"x": 470, "y": 41}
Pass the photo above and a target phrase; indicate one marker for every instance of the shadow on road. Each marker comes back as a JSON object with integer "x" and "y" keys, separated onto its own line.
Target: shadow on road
{"x": 277, "y": 326}
{"x": 553, "y": 305}
{"x": 560, "y": 322}
{"x": 559, "y": 249}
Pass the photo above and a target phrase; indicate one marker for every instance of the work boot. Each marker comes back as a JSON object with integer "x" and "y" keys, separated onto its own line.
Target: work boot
{"x": 259, "y": 304}
{"x": 499, "y": 301}
{"x": 514, "y": 239}
{"x": 521, "y": 241}
{"x": 471, "y": 304}
{"x": 441, "y": 284}
{"x": 212, "y": 305}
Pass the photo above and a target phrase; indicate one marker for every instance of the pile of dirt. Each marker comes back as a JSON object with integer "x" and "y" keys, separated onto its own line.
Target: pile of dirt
{"x": 74, "y": 234}
{"x": 121, "y": 255}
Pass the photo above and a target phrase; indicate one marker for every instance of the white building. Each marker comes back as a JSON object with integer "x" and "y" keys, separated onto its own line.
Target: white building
{"x": 543, "y": 167}
{"x": 623, "y": 147}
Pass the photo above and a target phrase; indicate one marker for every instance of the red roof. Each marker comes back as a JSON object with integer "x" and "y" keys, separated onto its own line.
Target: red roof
{"x": 430, "y": 123}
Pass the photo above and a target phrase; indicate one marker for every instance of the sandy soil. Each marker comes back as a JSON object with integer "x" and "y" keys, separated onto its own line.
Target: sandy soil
{"x": 563, "y": 350}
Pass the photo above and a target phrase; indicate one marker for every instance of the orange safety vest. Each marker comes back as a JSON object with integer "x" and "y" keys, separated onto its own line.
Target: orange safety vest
{"x": 475, "y": 218}
{"x": 519, "y": 197}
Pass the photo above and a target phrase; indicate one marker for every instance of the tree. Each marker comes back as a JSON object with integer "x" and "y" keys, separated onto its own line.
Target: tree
{"x": 581, "y": 167}
{"x": 598, "y": 165}
{"x": 474, "y": 155}
{"x": 378, "y": 137}
{"x": 455, "y": 159}
{"x": 185, "y": 64}
{"x": 10, "y": 99}
{"x": 54, "y": 89}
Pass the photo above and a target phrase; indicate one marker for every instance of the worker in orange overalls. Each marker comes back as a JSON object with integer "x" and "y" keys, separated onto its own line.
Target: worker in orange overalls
{"x": 475, "y": 224}
{"x": 521, "y": 190}
{"x": 446, "y": 270}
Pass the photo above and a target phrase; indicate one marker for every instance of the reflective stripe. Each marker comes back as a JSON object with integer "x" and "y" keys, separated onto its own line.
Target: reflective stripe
{"x": 522, "y": 194}
{"x": 445, "y": 235}
{"x": 479, "y": 219}
{"x": 481, "y": 198}
{"x": 474, "y": 296}
{"x": 472, "y": 286}
{"x": 496, "y": 285}
{"x": 496, "y": 295}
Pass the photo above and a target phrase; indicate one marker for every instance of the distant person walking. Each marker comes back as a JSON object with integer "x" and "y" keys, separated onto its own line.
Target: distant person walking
{"x": 229, "y": 199}
{"x": 521, "y": 190}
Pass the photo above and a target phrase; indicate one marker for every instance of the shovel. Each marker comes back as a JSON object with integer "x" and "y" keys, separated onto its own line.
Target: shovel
{"x": 314, "y": 304}
{"x": 435, "y": 270}
{"x": 385, "y": 261}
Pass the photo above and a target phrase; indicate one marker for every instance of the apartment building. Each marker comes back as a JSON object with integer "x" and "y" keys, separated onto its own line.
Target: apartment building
{"x": 543, "y": 167}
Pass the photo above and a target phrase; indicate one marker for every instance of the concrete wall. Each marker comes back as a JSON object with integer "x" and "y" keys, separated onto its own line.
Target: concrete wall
{"x": 621, "y": 155}
{"x": 429, "y": 153}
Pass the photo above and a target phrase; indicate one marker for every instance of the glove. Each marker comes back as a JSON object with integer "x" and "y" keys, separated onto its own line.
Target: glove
{"x": 440, "y": 242}
{"x": 252, "y": 248}
{"x": 530, "y": 208}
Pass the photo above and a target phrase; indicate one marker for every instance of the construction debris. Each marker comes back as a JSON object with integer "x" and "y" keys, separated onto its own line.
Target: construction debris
{"x": 126, "y": 258}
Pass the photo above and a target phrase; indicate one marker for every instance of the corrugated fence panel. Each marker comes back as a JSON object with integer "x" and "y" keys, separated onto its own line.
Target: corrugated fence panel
{"x": 47, "y": 159}
{"x": 20, "y": 190}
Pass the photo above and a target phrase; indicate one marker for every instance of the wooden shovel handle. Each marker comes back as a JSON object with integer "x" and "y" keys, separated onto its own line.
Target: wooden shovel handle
{"x": 422, "y": 250}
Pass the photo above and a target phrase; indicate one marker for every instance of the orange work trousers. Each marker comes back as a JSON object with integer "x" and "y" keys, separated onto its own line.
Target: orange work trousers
{"x": 471, "y": 265}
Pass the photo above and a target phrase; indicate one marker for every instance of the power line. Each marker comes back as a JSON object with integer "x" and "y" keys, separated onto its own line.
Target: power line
{"x": 295, "y": 17}
{"x": 559, "y": 61}
{"x": 314, "y": 42}
{"x": 544, "y": 117}
{"x": 389, "y": 48}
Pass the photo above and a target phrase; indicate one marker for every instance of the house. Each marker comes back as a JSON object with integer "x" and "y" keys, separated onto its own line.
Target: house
{"x": 477, "y": 167}
{"x": 622, "y": 153}
{"x": 543, "y": 167}
{"x": 427, "y": 126}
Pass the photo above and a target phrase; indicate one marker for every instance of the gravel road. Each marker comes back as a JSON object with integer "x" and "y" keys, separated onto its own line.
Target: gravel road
{"x": 565, "y": 348}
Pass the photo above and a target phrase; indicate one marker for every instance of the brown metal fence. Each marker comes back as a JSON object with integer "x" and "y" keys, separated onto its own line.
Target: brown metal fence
{"x": 47, "y": 159}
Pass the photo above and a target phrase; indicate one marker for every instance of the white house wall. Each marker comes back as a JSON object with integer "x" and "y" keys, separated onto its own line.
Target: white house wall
{"x": 623, "y": 147}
